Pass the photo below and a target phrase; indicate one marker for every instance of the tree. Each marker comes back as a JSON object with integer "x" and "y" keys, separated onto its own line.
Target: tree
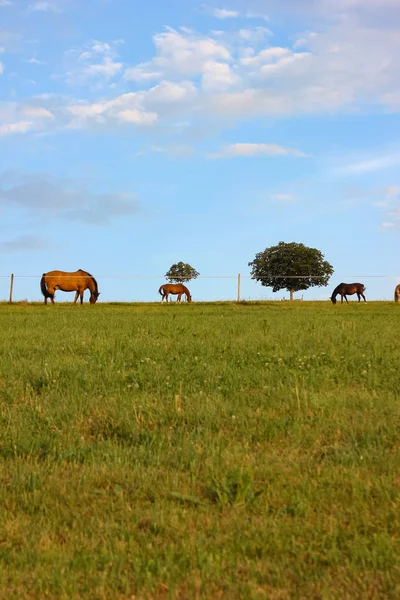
{"x": 291, "y": 267}
{"x": 180, "y": 272}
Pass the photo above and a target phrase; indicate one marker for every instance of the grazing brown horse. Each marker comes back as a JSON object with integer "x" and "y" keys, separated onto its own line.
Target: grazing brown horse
{"x": 348, "y": 289}
{"x": 174, "y": 288}
{"x": 397, "y": 293}
{"x": 78, "y": 282}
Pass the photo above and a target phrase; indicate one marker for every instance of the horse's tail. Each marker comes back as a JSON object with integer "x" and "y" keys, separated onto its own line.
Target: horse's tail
{"x": 43, "y": 287}
{"x": 161, "y": 290}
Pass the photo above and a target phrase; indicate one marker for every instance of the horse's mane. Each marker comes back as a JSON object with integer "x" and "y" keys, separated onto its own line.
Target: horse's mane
{"x": 94, "y": 281}
{"x": 337, "y": 288}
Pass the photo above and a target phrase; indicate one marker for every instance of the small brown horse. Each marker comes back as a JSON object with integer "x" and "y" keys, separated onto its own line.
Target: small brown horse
{"x": 78, "y": 282}
{"x": 397, "y": 293}
{"x": 174, "y": 288}
{"x": 348, "y": 289}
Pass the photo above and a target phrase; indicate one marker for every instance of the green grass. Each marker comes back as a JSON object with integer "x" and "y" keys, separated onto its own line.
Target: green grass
{"x": 200, "y": 451}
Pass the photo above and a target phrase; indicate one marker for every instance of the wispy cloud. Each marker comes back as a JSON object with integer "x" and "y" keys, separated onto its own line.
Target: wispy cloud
{"x": 283, "y": 197}
{"x": 95, "y": 62}
{"x": 370, "y": 165}
{"x": 22, "y": 243}
{"x": 220, "y": 13}
{"x": 11, "y": 128}
{"x": 257, "y": 15}
{"x": 35, "y": 61}
{"x": 5, "y": 3}
{"x": 252, "y": 150}
{"x": 47, "y": 5}
{"x": 44, "y": 195}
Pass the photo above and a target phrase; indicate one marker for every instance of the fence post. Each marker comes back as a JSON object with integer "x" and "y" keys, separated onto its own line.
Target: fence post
{"x": 238, "y": 295}
{"x": 11, "y": 287}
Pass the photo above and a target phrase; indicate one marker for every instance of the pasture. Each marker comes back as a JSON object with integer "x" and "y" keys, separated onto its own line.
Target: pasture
{"x": 200, "y": 451}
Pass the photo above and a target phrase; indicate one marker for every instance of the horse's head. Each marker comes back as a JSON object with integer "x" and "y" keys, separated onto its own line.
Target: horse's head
{"x": 93, "y": 297}
{"x": 333, "y": 298}
{"x": 189, "y": 298}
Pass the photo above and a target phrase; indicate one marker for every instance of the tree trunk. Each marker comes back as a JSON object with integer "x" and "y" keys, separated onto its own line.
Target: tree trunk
{"x": 291, "y": 294}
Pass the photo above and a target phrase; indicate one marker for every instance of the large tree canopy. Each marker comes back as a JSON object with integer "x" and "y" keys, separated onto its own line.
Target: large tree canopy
{"x": 180, "y": 272}
{"x": 291, "y": 267}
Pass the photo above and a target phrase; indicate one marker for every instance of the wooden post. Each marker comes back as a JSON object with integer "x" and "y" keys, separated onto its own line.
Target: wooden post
{"x": 238, "y": 296}
{"x": 11, "y": 287}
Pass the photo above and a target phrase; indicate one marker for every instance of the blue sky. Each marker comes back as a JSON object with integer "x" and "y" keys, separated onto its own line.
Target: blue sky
{"x": 135, "y": 135}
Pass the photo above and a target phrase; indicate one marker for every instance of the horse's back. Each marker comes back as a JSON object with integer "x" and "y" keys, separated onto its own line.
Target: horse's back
{"x": 173, "y": 288}
{"x": 352, "y": 288}
{"x": 67, "y": 281}
{"x": 64, "y": 273}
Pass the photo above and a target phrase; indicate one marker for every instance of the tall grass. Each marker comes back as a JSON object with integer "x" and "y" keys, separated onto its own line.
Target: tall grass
{"x": 200, "y": 451}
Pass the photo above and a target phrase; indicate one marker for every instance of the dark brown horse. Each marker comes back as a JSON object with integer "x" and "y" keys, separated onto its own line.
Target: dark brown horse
{"x": 78, "y": 282}
{"x": 397, "y": 293}
{"x": 348, "y": 289}
{"x": 174, "y": 288}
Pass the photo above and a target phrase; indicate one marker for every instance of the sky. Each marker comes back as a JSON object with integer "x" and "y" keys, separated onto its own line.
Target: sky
{"x": 134, "y": 135}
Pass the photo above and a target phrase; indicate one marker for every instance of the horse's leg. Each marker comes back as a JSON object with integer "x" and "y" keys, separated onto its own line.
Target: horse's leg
{"x": 166, "y": 297}
{"x": 76, "y": 297}
{"x": 179, "y": 298}
{"x": 363, "y": 297}
{"x": 345, "y": 297}
{"x": 50, "y": 291}
{"x": 358, "y": 296}
{"x": 81, "y": 295}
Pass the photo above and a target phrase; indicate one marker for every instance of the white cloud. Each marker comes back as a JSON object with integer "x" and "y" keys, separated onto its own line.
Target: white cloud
{"x": 107, "y": 69}
{"x": 370, "y": 165}
{"x": 392, "y": 191}
{"x": 218, "y": 76}
{"x": 167, "y": 91}
{"x": 1, "y": 68}
{"x": 345, "y": 65}
{"x": 255, "y": 35}
{"x": 10, "y": 41}
{"x": 283, "y": 197}
{"x": 250, "y": 150}
{"x": 11, "y": 128}
{"x": 223, "y": 13}
{"x": 389, "y": 206}
{"x": 257, "y": 15}
{"x": 126, "y": 108}
{"x": 38, "y": 112}
{"x": 137, "y": 117}
{"x": 94, "y": 62}
{"x": 388, "y": 224}
{"x": 179, "y": 53}
{"x": 5, "y": 2}
{"x": 342, "y": 67}
{"x": 35, "y": 61}
{"x": 46, "y": 6}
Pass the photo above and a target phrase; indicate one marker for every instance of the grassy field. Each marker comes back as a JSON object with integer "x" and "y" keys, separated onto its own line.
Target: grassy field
{"x": 200, "y": 451}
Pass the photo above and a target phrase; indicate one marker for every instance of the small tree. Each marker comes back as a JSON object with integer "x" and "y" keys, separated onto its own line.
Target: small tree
{"x": 276, "y": 266}
{"x": 180, "y": 272}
